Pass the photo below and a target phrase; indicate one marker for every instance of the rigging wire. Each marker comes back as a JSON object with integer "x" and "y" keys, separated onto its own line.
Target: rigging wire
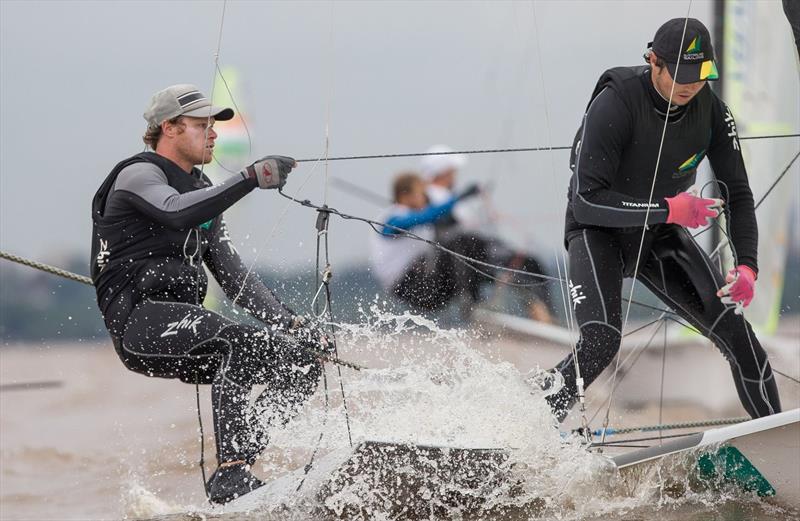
{"x": 378, "y": 227}
{"x": 615, "y": 380}
{"x": 647, "y": 211}
{"x": 495, "y": 150}
{"x": 87, "y": 280}
{"x": 206, "y": 131}
{"x": 213, "y": 82}
{"x": 564, "y": 286}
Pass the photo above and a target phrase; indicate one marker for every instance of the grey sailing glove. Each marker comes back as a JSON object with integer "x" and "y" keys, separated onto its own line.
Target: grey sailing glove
{"x": 270, "y": 171}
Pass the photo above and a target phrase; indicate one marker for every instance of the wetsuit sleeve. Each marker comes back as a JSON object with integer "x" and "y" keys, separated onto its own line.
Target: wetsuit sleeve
{"x": 607, "y": 129}
{"x": 144, "y": 186}
{"x": 725, "y": 156}
{"x": 228, "y": 269}
{"x": 429, "y": 214}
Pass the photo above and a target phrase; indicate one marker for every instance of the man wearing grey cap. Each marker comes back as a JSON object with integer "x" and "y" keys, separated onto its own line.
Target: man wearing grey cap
{"x": 630, "y": 207}
{"x": 157, "y": 220}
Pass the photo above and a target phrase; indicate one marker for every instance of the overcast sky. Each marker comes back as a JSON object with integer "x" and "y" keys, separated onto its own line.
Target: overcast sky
{"x": 398, "y": 77}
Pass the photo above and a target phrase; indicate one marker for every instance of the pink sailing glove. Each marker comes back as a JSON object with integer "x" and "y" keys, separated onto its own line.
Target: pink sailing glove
{"x": 691, "y": 211}
{"x": 740, "y": 288}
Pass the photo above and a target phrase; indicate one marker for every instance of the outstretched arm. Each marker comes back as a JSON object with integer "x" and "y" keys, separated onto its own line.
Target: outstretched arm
{"x": 427, "y": 215}
{"x": 144, "y": 186}
{"x": 228, "y": 269}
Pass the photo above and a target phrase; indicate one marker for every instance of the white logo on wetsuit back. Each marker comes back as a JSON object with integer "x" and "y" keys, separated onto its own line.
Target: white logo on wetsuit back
{"x": 103, "y": 255}
{"x": 186, "y": 322}
{"x": 731, "y": 128}
{"x": 576, "y": 293}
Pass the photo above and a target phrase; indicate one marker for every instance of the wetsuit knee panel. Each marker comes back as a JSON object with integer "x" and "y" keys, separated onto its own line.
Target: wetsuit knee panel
{"x": 600, "y": 337}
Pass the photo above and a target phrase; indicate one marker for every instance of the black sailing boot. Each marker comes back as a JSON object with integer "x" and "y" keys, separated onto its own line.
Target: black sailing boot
{"x": 230, "y": 482}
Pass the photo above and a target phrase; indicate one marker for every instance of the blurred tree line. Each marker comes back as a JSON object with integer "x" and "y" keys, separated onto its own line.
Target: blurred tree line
{"x": 37, "y": 306}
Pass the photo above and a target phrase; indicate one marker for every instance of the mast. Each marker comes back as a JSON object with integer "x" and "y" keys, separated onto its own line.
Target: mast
{"x": 718, "y": 86}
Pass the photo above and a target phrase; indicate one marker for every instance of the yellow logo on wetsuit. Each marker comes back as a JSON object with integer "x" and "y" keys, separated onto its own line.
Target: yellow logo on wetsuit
{"x": 690, "y": 164}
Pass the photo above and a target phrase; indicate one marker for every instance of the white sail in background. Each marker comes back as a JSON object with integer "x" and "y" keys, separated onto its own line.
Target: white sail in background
{"x": 761, "y": 87}
{"x": 232, "y": 148}
{"x": 231, "y": 152}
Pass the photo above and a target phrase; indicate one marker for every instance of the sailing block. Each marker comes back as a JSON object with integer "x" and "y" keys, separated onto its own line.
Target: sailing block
{"x": 415, "y": 481}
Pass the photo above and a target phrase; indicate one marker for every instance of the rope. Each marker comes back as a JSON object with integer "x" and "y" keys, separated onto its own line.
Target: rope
{"x": 494, "y": 150}
{"x": 88, "y": 281}
{"x": 405, "y": 233}
{"x": 47, "y": 268}
{"x": 672, "y": 426}
{"x": 324, "y": 283}
{"x": 202, "y": 462}
{"x": 626, "y": 443}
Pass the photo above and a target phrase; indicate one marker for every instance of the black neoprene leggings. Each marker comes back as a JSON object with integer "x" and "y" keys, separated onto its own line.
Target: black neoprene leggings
{"x": 192, "y": 343}
{"x": 676, "y": 270}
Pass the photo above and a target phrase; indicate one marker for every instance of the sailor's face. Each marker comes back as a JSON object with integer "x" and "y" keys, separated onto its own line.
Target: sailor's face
{"x": 196, "y": 142}
{"x": 682, "y": 93}
{"x": 416, "y": 198}
{"x": 447, "y": 178}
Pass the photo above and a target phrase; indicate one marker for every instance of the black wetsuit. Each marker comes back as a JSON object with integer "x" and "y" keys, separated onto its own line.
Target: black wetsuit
{"x": 154, "y": 227}
{"x": 613, "y": 162}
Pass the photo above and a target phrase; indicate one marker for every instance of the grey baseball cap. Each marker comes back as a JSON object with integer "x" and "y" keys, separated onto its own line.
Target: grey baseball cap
{"x": 182, "y": 100}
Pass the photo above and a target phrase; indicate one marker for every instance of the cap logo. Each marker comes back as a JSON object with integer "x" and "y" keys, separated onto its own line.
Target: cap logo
{"x": 693, "y": 52}
{"x": 708, "y": 71}
{"x": 190, "y": 98}
{"x": 695, "y": 45}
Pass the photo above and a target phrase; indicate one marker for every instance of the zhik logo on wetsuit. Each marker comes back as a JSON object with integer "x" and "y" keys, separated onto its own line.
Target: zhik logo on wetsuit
{"x": 731, "y": 128}
{"x": 186, "y": 322}
{"x": 103, "y": 254}
{"x": 576, "y": 293}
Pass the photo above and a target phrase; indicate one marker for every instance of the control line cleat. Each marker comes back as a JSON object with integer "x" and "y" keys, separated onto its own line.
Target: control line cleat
{"x": 231, "y": 482}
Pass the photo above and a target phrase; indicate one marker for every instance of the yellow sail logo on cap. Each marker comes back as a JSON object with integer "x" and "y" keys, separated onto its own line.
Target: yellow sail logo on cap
{"x": 708, "y": 70}
{"x": 695, "y": 45}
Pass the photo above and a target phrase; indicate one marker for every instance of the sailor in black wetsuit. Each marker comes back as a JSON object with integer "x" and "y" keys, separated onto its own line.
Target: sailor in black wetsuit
{"x": 614, "y": 158}
{"x": 157, "y": 219}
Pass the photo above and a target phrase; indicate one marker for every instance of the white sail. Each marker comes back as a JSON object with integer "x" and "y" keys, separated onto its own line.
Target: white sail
{"x": 761, "y": 87}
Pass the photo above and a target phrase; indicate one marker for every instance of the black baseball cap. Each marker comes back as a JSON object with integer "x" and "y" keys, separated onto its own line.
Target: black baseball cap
{"x": 691, "y": 53}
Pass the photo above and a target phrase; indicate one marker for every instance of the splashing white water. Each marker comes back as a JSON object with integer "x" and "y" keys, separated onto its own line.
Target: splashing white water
{"x": 138, "y": 503}
{"x": 429, "y": 386}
